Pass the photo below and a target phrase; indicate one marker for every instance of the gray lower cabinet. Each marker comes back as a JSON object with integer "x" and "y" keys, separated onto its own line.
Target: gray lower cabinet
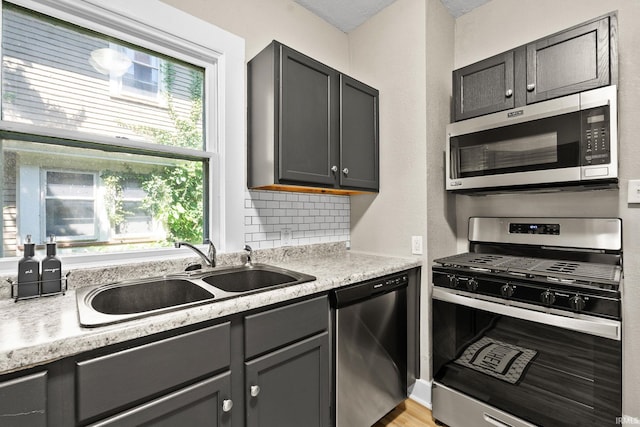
{"x": 151, "y": 379}
{"x": 580, "y": 58}
{"x": 290, "y": 386}
{"x": 200, "y": 404}
{"x": 23, "y": 401}
{"x": 268, "y": 368}
{"x": 287, "y": 369}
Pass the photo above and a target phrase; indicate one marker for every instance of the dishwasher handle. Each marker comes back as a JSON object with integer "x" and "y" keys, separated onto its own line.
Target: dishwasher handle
{"x": 348, "y": 295}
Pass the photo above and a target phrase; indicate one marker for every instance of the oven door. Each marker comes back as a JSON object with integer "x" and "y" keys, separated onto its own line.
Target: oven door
{"x": 496, "y": 364}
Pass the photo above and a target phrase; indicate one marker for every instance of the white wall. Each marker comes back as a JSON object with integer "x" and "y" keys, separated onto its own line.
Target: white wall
{"x": 407, "y": 50}
{"x": 394, "y": 61}
{"x": 261, "y": 21}
{"x": 500, "y": 25}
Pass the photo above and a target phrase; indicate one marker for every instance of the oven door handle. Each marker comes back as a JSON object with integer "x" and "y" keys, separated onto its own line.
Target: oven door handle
{"x": 494, "y": 421}
{"x": 605, "y": 328}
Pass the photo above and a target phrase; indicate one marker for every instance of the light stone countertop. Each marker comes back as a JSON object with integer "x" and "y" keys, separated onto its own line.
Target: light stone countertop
{"x": 42, "y": 330}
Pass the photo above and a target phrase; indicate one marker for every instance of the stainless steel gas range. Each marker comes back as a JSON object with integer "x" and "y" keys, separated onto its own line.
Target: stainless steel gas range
{"x": 527, "y": 324}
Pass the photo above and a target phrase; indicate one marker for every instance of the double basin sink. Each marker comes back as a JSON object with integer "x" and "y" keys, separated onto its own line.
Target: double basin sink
{"x": 118, "y": 302}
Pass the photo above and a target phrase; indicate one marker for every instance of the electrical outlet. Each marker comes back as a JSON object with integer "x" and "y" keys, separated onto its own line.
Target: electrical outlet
{"x": 416, "y": 245}
{"x": 633, "y": 193}
{"x": 285, "y": 236}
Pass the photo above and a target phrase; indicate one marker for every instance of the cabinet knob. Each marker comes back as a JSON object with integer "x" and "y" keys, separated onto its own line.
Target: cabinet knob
{"x": 508, "y": 93}
{"x": 531, "y": 87}
{"x": 227, "y": 404}
{"x": 334, "y": 168}
{"x": 345, "y": 171}
{"x": 254, "y": 390}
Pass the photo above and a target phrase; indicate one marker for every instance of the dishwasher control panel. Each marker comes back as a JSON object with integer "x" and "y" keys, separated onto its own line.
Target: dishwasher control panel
{"x": 359, "y": 291}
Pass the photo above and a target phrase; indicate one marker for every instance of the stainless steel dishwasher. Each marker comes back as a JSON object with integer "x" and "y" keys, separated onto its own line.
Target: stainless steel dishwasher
{"x": 371, "y": 349}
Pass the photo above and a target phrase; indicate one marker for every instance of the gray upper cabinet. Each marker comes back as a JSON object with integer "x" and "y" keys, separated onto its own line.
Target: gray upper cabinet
{"x": 309, "y": 126}
{"x": 307, "y": 117}
{"x": 358, "y": 135}
{"x": 484, "y": 87}
{"x": 581, "y": 58}
{"x": 572, "y": 61}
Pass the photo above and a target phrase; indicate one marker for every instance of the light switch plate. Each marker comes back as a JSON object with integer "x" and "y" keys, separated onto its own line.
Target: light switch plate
{"x": 633, "y": 192}
{"x": 285, "y": 236}
{"x": 416, "y": 245}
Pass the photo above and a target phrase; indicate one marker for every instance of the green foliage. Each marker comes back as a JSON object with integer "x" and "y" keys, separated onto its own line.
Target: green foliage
{"x": 174, "y": 193}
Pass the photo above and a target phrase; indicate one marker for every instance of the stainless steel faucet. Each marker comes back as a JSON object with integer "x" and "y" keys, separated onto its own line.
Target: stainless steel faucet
{"x": 210, "y": 260}
{"x": 249, "y": 255}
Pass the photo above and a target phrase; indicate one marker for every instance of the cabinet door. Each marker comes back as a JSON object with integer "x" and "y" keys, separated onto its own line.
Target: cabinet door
{"x": 484, "y": 87}
{"x": 23, "y": 401}
{"x": 358, "y": 135}
{"x": 308, "y": 111}
{"x": 293, "y": 386}
{"x": 198, "y": 405}
{"x": 569, "y": 62}
{"x": 106, "y": 383}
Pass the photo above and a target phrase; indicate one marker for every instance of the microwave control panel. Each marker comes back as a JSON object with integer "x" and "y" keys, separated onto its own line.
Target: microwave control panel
{"x": 595, "y": 144}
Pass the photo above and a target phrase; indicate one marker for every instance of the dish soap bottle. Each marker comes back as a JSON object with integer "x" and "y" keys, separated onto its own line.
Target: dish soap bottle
{"x": 28, "y": 272}
{"x": 51, "y": 269}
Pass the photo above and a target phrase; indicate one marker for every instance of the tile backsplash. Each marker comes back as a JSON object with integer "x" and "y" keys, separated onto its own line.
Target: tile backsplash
{"x": 273, "y": 219}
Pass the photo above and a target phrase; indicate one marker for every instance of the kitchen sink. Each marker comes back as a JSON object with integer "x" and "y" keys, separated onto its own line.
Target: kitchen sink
{"x": 118, "y": 302}
{"x": 128, "y": 300}
{"x": 147, "y": 296}
{"x": 249, "y": 278}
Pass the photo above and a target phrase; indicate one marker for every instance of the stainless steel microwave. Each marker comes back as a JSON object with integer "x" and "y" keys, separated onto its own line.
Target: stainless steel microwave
{"x": 558, "y": 143}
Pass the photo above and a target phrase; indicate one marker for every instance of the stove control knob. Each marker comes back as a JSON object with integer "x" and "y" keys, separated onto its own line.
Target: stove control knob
{"x": 472, "y": 285}
{"x": 506, "y": 290}
{"x": 548, "y": 297}
{"x": 453, "y": 281}
{"x": 577, "y": 303}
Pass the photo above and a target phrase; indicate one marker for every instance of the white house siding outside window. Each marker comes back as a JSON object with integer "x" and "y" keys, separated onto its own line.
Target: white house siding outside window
{"x": 103, "y": 142}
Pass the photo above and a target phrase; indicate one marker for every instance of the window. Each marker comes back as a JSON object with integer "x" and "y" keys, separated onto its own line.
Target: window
{"x": 111, "y": 173}
{"x": 142, "y": 79}
{"x": 69, "y": 207}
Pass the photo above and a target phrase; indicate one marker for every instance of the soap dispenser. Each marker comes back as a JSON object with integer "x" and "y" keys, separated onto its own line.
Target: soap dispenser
{"x": 28, "y": 272}
{"x": 51, "y": 269}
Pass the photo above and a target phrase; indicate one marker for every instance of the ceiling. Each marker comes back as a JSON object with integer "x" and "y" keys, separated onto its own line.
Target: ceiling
{"x": 347, "y": 15}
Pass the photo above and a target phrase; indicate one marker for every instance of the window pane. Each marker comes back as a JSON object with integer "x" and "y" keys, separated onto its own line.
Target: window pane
{"x": 61, "y": 184}
{"x": 61, "y": 76}
{"x": 97, "y": 201}
{"x": 70, "y": 218}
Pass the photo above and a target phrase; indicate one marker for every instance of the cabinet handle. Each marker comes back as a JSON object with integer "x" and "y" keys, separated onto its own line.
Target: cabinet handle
{"x": 531, "y": 87}
{"x": 508, "y": 93}
{"x": 227, "y": 404}
{"x": 334, "y": 169}
{"x": 345, "y": 171}
{"x": 255, "y": 390}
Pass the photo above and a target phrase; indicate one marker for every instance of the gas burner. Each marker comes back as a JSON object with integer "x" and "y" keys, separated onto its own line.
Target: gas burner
{"x": 586, "y": 280}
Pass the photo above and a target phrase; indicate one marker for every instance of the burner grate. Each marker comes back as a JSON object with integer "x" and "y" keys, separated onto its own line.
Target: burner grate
{"x": 572, "y": 270}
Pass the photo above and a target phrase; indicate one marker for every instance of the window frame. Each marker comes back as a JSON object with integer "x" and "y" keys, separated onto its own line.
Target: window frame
{"x": 169, "y": 31}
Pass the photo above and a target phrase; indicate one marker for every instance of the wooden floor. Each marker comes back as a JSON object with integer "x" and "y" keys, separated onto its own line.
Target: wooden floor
{"x": 407, "y": 414}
